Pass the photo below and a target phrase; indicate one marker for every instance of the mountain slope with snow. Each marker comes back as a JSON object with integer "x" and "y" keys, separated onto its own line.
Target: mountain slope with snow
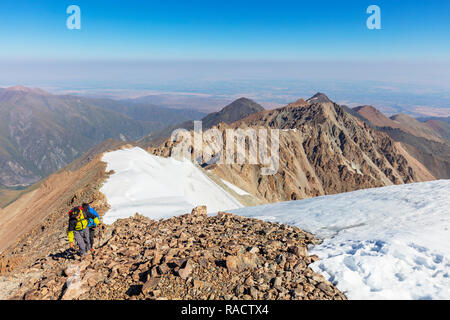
{"x": 382, "y": 243}
{"x": 158, "y": 187}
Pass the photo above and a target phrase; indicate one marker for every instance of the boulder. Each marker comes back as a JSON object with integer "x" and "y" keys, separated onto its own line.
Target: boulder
{"x": 299, "y": 251}
{"x": 199, "y": 211}
{"x": 242, "y": 262}
{"x": 277, "y": 282}
{"x": 186, "y": 271}
{"x": 150, "y": 285}
{"x": 73, "y": 288}
{"x": 198, "y": 284}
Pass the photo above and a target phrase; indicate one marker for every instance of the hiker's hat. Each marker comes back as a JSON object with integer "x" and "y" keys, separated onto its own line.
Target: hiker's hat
{"x": 74, "y": 211}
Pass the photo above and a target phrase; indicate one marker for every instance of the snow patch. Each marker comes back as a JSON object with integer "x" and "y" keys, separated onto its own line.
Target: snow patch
{"x": 381, "y": 243}
{"x": 158, "y": 187}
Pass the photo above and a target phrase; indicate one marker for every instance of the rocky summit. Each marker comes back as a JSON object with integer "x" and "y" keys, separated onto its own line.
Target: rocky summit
{"x": 193, "y": 256}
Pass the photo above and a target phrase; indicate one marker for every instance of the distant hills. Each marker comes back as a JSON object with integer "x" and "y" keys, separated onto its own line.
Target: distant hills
{"x": 234, "y": 111}
{"x": 41, "y": 133}
{"x": 427, "y": 141}
{"x": 400, "y": 121}
{"x": 159, "y": 116}
{"x": 443, "y": 119}
{"x": 203, "y": 103}
{"x": 440, "y": 126}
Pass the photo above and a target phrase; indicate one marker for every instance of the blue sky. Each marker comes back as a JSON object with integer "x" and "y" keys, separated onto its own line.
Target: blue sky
{"x": 129, "y": 40}
{"x": 225, "y": 30}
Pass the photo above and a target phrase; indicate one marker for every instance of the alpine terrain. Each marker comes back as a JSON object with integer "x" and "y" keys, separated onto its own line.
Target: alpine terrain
{"x": 41, "y": 133}
{"x": 427, "y": 141}
{"x": 350, "y": 214}
{"x": 323, "y": 150}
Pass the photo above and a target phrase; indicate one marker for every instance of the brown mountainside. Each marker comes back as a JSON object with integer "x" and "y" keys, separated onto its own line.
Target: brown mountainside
{"x": 442, "y": 127}
{"x": 188, "y": 257}
{"x": 40, "y": 133}
{"x": 417, "y": 128}
{"x": 400, "y": 121}
{"x": 427, "y": 141}
{"x": 376, "y": 117}
{"x": 323, "y": 150}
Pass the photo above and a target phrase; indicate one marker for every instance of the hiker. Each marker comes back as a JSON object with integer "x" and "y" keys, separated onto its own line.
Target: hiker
{"x": 78, "y": 229}
{"x": 92, "y": 224}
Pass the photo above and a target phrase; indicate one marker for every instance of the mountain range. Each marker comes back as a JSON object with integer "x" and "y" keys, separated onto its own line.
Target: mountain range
{"x": 427, "y": 141}
{"x": 325, "y": 149}
{"x": 234, "y": 111}
{"x": 41, "y": 133}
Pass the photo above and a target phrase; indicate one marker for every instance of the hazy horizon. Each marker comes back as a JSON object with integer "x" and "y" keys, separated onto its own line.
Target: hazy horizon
{"x": 270, "y": 52}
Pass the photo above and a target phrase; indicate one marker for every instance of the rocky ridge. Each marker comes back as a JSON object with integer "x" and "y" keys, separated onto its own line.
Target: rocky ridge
{"x": 188, "y": 257}
{"x": 426, "y": 141}
{"x": 323, "y": 150}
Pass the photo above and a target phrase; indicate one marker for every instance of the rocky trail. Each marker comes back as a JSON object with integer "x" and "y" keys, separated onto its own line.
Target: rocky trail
{"x": 193, "y": 256}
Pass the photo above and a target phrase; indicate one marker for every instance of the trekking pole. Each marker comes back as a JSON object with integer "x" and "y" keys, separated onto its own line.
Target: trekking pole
{"x": 100, "y": 233}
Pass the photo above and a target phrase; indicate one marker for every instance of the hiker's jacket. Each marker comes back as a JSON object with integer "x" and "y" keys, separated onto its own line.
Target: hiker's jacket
{"x": 92, "y": 223}
{"x": 80, "y": 223}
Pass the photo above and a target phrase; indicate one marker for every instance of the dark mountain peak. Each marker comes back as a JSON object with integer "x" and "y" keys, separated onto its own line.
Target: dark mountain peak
{"x": 243, "y": 104}
{"x": 243, "y": 99}
{"x": 319, "y": 97}
{"x": 367, "y": 108}
{"x": 237, "y": 110}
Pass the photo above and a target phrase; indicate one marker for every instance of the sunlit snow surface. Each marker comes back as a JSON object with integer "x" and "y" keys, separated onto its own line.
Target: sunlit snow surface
{"x": 158, "y": 187}
{"x": 382, "y": 243}
{"x": 239, "y": 191}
